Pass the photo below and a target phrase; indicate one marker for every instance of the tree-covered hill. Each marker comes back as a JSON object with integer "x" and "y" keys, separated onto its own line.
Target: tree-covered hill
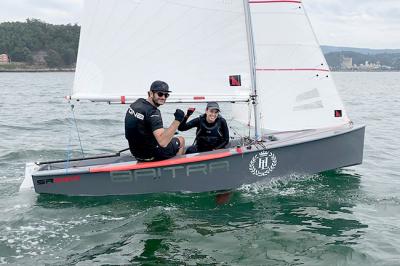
{"x": 40, "y": 43}
{"x": 326, "y": 49}
{"x": 37, "y": 44}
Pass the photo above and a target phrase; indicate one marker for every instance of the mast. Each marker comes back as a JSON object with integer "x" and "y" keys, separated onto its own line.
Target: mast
{"x": 250, "y": 42}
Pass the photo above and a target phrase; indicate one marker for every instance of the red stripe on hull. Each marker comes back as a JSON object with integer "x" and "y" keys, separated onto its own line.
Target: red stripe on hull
{"x": 66, "y": 179}
{"x": 168, "y": 162}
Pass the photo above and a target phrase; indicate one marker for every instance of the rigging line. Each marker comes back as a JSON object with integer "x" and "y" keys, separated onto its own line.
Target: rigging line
{"x": 249, "y": 118}
{"x": 69, "y": 149}
{"x": 235, "y": 132}
{"x": 76, "y": 126}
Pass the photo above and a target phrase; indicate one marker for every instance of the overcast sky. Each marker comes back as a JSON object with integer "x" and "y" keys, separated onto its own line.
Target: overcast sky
{"x": 354, "y": 23}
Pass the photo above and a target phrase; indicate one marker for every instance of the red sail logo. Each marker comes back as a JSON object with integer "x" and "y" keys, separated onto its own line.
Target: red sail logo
{"x": 235, "y": 80}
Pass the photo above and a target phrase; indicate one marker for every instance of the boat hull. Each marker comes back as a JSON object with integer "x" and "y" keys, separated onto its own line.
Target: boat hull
{"x": 308, "y": 153}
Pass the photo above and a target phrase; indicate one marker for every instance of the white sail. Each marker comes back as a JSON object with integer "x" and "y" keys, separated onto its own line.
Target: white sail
{"x": 195, "y": 46}
{"x": 294, "y": 86}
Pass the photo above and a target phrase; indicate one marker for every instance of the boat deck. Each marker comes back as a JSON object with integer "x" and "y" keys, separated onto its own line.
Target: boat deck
{"x": 270, "y": 139}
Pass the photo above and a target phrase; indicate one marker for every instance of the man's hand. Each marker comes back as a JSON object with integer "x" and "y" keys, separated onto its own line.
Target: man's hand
{"x": 179, "y": 115}
{"x": 190, "y": 111}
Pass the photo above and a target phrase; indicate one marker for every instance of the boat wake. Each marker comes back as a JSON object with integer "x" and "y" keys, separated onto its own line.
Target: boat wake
{"x": 276, "y": 185}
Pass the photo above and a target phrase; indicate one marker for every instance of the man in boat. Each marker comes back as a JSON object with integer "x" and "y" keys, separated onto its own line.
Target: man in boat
{"x": 147, "y": 138}
{"x": 212, "y": 130}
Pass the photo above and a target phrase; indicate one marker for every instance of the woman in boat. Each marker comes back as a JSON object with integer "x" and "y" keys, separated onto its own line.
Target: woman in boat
{"x": 212, "y": 130}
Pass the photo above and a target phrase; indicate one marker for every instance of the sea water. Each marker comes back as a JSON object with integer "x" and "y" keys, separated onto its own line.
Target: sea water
{"x": 349, "y": 216}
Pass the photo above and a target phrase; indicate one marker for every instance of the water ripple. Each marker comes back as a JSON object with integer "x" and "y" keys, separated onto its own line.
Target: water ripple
{"x": 344, "y": 217}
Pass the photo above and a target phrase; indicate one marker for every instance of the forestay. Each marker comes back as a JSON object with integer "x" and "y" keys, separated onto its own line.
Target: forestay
{"x": 294, "y": 86}
{"x": 195, "y": 46}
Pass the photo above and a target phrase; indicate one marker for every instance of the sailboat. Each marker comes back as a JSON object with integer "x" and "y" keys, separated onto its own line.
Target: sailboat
{"x": 261, "y": 56}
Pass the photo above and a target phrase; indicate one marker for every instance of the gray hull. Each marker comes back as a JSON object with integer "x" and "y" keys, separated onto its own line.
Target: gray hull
{"x": 302, "y": 152}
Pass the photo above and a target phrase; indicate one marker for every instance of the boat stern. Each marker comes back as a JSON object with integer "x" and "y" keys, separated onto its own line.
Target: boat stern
{"x": 27, "y": 183}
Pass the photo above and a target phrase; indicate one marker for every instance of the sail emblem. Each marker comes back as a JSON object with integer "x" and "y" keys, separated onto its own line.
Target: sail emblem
{"x": 263, "y": 163}
{"x": 235, "y": 80}
{"x": 338, "y": 113}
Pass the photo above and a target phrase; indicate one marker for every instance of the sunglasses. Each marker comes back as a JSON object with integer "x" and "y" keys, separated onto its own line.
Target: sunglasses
{"x": 161, "y": 94}
{"x": 215, "y": 111}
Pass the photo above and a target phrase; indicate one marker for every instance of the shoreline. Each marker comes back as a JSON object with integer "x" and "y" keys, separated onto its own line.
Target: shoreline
{"x": 37, "y": 70}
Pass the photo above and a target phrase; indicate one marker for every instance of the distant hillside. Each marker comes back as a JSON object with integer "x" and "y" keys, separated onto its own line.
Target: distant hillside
{"x": 38, "y": 43}
{"x": 35, "y": 44}
{"x": 330, "y": 49}
{"x": 359, "y": 61}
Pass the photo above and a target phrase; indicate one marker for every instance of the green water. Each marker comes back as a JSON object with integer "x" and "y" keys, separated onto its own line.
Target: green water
{"x": 344, "y": 217}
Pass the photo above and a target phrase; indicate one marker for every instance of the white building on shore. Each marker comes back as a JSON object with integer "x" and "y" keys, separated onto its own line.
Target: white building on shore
{"x": 347, "y": 63}
{"x": 4, "y": 59}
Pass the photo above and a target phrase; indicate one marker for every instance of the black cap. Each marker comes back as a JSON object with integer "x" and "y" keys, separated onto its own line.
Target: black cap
{"x": 212, "y": 105}
{"x": 159, "y": 85}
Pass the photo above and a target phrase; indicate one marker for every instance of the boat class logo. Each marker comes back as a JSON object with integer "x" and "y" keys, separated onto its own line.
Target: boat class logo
{"x": 338, "y": 113}
{"x": 235, "y": 80}
{"x": 263, "y": 163}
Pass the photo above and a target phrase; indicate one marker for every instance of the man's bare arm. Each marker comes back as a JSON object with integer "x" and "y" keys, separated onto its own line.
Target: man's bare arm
{"x": 164, "y": 136}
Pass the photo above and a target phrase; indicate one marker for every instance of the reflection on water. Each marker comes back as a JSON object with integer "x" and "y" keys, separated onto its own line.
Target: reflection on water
{"x": 177, "y": 228}
{"x": 327, "y": 219}
{"x": 321, "y": 205}
{"x": 156, "y": 246}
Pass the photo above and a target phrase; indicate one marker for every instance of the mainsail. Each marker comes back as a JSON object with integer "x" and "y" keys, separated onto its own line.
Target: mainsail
{"x": 195, "y": 46}
{"x": 198, "y": 47}
{"x": 294, "y": 85}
